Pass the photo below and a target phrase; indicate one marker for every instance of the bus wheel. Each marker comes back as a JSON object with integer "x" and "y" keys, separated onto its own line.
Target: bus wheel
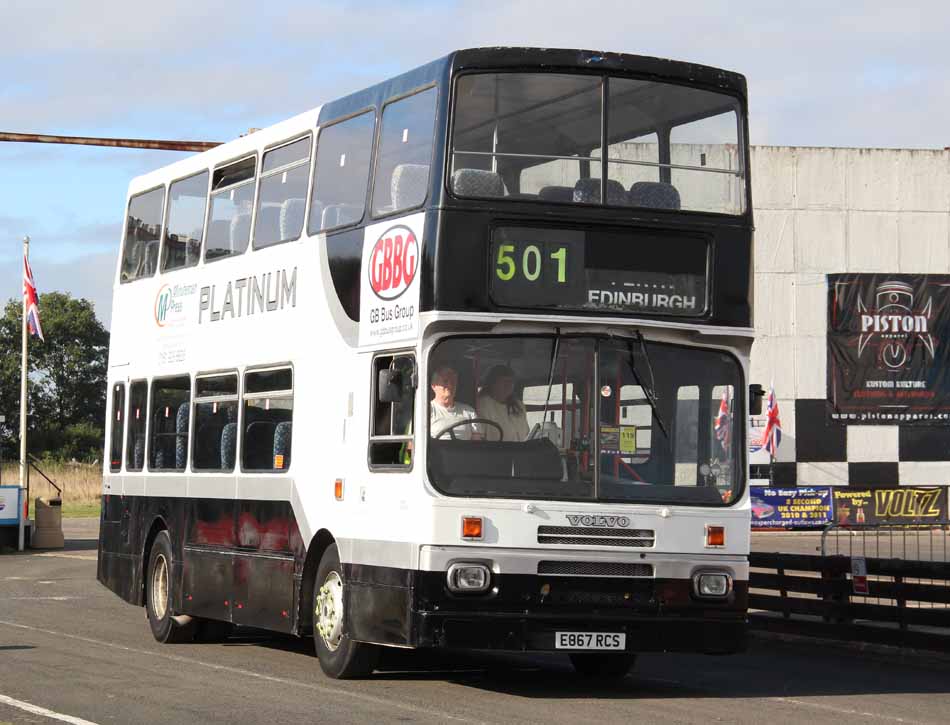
{"x": 340, "y": 657}
{"x": 158, "y": 595}
{"x": 601, "y": 664}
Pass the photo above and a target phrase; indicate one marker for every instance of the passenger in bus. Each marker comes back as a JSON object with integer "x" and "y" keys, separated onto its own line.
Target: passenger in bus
{"x": 446, "y": 411}
{"x": 498, "y": 402}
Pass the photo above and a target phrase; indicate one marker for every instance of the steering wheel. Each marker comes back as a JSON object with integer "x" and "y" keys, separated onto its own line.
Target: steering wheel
{"x": 468, "y": 421}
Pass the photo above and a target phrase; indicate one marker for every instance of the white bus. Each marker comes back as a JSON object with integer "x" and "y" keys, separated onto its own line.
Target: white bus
{"x": 404, "y": 370}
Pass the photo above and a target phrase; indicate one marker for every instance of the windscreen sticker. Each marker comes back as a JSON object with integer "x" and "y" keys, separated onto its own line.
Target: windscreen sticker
{"x": 628, "y": 439}
{"x": 389, "y": 292}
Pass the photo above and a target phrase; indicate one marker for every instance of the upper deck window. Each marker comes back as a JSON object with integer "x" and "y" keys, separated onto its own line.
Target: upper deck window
{"x": 344, "y": 151}
{"x": 232, "y": 201}
{"x": 540, "y": 136}
{"x": 405, "y": 152}
{"x": 142, "y": 233}
{"x": 187, "y": 200}
{"x": 280, "y": 205}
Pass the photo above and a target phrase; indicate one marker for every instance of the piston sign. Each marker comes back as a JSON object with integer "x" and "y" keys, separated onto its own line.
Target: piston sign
{"x": 859, "y": 575}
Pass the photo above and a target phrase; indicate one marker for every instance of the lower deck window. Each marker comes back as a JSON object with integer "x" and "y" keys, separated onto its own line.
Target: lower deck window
{"x": 216, "y": 413}
{"x": 168, "y": 436}
{"x": 267, "y": 420}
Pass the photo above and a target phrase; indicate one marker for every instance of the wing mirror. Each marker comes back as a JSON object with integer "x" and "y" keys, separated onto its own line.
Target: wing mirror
{"x": 391, "y": 383}
{"x": 756, "y": 393}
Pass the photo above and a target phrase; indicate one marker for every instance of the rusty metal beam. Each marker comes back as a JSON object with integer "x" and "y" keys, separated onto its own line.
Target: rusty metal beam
{"x": 130, "y": 143}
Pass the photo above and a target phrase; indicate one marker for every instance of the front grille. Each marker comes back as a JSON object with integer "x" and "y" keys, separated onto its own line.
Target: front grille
{"x": 594, "y": 568}
{"x": 593, "y": 536}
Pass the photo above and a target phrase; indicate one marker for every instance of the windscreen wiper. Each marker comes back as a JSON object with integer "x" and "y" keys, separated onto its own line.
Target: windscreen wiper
{"x": 647, "y": 391}
{"x": 547, "y": 398}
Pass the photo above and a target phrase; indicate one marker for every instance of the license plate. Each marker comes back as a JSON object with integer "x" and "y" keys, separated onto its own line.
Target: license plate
{"x": 590, "y": 640}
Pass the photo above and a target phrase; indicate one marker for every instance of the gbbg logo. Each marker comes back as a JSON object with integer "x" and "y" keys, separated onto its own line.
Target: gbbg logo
{"x": 393, "y": 262}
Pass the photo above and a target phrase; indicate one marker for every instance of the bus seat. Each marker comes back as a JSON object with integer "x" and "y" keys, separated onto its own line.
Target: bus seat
{"x": 282, "y": 440}
{"x": 240, "y": 230}
{"x": 291, "y": 218}
{"x": 228, "y": 446}
{"x": 409, "y": 185}
{"x": 587, "y": 191}
{"x": 267, "y": 226}
{"x": 335, "y": 215}
{"x": 478, "y": 182}
{"x": 556, "y": 193}
{"x": 654, "y": 194}
{"x": 181, "y": 435}
{"x": 138, "y": 452}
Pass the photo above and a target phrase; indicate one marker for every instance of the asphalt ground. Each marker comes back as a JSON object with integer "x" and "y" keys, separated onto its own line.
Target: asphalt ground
{"x": 71, "y": 651}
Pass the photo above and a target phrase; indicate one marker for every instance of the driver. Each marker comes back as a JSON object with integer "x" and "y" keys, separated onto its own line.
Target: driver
{"x": 446, "y": 411}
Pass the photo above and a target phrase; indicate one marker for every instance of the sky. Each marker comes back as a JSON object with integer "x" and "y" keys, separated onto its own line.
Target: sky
{"x": 859, "y": 74}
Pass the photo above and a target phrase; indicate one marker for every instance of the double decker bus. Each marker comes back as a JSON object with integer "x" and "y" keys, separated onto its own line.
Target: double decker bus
{"x": 455, "y": 361}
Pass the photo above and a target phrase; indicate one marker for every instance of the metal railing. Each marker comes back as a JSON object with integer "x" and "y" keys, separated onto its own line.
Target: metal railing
{"x": 887, "y": 584}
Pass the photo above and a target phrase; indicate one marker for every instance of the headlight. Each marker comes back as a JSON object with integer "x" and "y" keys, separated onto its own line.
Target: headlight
{"x": 467, "y": 577}
{"x": 714, "y": 585}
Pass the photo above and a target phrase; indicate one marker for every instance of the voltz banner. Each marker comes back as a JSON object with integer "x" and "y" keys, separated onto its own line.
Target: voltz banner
{"x": 888, "y": 345}
{"x": 903, "y": 505}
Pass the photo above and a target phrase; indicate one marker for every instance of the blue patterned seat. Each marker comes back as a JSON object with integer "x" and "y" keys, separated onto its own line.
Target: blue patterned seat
{"x": 409, "y": 185}
{"x": 654, "y": 194}
{"x": 291, "y": 218}
{"x": 478, "y": 183}
{"x": 282, "y": 440}
{"x": 228, "y": 446}
{"x": 587, "y": 191}
{"x": 181, "y": 436}
{"x": 138, "y": 453}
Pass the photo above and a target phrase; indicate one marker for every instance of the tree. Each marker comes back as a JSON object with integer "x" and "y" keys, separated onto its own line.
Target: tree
{"x": 67, "y": 375}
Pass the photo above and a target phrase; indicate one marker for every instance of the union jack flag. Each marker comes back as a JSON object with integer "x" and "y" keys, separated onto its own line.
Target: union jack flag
{"x": 31, "y": 302}
{"x": 772, "y": 435}
{"x": 721, "y": 424}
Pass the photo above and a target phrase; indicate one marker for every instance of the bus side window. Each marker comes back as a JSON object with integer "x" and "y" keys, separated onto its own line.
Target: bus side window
{"x": 405, "y": 150}
{"x": 142, "y": 233}
{"x": 118, "y": 426}
{"x": 268, "y": 420}
{"x": 283, "y": 191}
{"x": 229, "y": 213}
{"x": 135, "y": 440}
{"x": 341, "y": 176}
{"x": 216, "y": 409}
{"x": 187, "y": 199}
{"x": 390, "y": 443}
{"x": 168, "y": 433}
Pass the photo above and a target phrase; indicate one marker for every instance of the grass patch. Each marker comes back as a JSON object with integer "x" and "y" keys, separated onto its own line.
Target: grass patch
{"x": 81, "y": 484}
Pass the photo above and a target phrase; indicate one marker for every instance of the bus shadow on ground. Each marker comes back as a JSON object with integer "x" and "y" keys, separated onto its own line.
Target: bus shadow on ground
{"x": 767, "y": 670}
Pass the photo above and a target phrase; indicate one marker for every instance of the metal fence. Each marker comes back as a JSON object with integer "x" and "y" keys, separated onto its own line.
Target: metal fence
{"x": 875, "y": 583}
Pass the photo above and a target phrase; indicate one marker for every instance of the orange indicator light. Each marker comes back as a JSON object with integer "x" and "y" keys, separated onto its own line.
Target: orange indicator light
{"x": 471, "y": 527}
{"x": 715, "y": 535}
{"x": 338, "y": 489}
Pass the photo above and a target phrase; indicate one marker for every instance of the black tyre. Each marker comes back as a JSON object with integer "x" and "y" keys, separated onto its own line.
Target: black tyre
{"x": 158, "y": 594}
{"x": 340, "y": 657}
{"x": 603, "y": 665}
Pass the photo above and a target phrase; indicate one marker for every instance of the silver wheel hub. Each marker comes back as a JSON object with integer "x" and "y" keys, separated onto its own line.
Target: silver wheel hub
{"x": 159, "y": 588}
{"x": 328, "y": 611}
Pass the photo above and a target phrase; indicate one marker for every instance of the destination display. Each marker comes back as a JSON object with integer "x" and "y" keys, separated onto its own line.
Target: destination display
{"x": 888, "y": 357}
{"x": 627, "y": 271}
{"x": 790, "y": 508}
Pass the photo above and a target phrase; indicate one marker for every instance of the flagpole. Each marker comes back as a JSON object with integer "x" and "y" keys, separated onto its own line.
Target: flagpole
{"x": 21, "y": 541}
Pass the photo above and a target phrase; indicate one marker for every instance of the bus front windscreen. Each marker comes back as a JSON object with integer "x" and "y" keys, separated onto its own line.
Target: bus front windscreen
{"x": 541, "y": 137}
{"x": 584, "y": 418}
